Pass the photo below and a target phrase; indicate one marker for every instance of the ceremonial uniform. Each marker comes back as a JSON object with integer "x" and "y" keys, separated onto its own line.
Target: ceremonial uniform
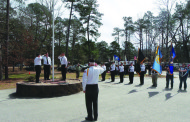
{"x": 63, "y": 61}
{"x": 90, "y": 86}
{"x": 168, "y": 78}
{"x": 104, "y": 73}
{"x": 131, "y": 74}
{"x": 121, "y": 73}
{"x": 37, "y": 64}
{"x": 112, "y": 69}
{"x": 154, "y": 78}
{"x": 47, "y": 64}
{"x": 142, "y": 72}
{"x": 183, "y": 77}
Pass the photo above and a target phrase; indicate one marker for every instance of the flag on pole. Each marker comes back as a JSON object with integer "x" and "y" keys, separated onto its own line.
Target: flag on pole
{"x": 140, "y": 60}
{"x": 116, "y": 58}
{"x": 172, "y": 56}
{"x": 157, "y": 63}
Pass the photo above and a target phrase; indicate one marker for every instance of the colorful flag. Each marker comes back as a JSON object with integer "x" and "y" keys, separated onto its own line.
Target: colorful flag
{"x": 172, "y": 56}
{"x": 116, "y": 58}
{"x": 157, "y": 63}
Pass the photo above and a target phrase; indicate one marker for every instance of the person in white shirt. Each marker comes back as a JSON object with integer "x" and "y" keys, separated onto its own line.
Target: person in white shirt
{"x": 37, "y": 64}
{"x": 90, "y": 88}
{"x": 131, "y": 73}
{"x": 63, "y": 61}
{"x": 47, "y": 65}
{"x": 142, "y": 72}
{"x": 104, "y": 73}
{"x": 121, "y": 72}
{"x": 112, "y": 70}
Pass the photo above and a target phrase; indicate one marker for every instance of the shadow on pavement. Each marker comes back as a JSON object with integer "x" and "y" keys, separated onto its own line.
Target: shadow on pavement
{"x": 151, "y": 94}
{"x": 132, "y": 91}
{"x": 138, "y": 85}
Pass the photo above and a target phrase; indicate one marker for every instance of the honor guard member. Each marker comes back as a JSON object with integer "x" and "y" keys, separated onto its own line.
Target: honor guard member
{"x": 154, "y": 78}
{"x": 121, "y": 72}
{"x": 183, "y": 76}
{"x": 169, "y": 77}
{"x": 90, "y": 88}
{"x": 142, "y": 72}
{"x": 63, "y": 61}
{"x": 131, "y": 73}
{"x": 104, "y": 73}
{"x": 112, "y": 70}
{"x": 37, "y": 64}
{"x": 47, "y": 65}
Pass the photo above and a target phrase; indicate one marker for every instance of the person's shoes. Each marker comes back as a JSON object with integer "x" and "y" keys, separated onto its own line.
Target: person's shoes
{"x": 95, "y": 119}
{"x": 166, "y": 87}
{"x": 112, "y": 81}
{"x": 140, "y": 84}
{"x": 130, "y": 83}
{"x": 88, "y": 119}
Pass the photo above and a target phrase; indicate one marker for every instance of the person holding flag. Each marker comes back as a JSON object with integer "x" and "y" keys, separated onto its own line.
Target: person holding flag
{"x": 169, "y": 73}
{"x": 156, "y": 68}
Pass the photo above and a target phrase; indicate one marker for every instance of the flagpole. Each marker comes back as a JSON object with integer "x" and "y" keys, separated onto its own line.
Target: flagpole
{"x": 53, "y": 43}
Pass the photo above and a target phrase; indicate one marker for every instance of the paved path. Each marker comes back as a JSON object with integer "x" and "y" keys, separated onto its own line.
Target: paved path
{"x": 117, "y": 103}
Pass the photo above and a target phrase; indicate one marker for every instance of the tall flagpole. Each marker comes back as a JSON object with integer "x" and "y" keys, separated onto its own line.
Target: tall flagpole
{"x": 53, "y": 43}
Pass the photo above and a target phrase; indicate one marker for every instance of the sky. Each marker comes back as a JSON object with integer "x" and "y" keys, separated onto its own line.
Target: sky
{"x": 114, "y": 11}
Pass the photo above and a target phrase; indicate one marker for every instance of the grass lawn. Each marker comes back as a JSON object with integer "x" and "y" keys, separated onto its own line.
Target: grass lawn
{"x": 19, "y": 76}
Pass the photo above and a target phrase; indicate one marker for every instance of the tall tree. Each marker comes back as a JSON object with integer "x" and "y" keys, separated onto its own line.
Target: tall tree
{"x": 117, "y": 32}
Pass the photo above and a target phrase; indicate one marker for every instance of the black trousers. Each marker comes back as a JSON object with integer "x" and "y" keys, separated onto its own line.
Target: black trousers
{"x": 91, "y": 97}
{"x": 63, "y": 71}
{"x": 38, "y": 71}
{"x": 168, "y": 78}
{"x": 183, "y": 80}
{"x": 142, "y": 78}
{"x": 112, "y": 76}
{"x": 131, "y": 75}
{"x": 46, "y": 72}
{"x": 121, "y": 76}
{"x": 103, "y": 76}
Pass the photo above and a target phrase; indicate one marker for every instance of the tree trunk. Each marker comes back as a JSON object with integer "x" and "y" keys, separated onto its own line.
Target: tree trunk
{"x": 88, "y": 35}
{"x": 6, "y": 42}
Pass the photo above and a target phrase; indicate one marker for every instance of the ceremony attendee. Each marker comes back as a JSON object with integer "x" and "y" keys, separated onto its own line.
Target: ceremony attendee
{"x": 169, "y": 77}
{"x": 142, "y": 72}
{"x": 63, "y": 61}
{"x": 47, "y": 65}
{"x": 154, "y": 78}
{"x": 116, "y": 70}
{"x": 90, "y": 88}
{"x": 121, "y": 72}
{"x": 112, "y": 70}
{"x": 78, "y": 69}
{"x": 183, "y": 76}
{"x": 131, "y": 73}
{"x": 104, "y": 73}
{"x": 37, "y": 64}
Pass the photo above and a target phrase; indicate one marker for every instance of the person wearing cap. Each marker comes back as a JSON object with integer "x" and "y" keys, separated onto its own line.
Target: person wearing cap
{"x": 142, "y": 72}
{"x": 47, "y": 65}
{"x": 169, "y": 77}
{"x": 121, "y": 72}
{"x": 63, "y": 61}
{"x": 104, "y": 73}
{"x": 90, "y": 88}
{"x": 112, "y": 70}
{"x": 131, "y": 73}
{"x": 183, "y": 76}
{"x": 37, "y": 64}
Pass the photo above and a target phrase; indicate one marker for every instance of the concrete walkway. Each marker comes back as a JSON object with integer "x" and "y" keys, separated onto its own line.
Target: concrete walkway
{"x": 117, "y": 103}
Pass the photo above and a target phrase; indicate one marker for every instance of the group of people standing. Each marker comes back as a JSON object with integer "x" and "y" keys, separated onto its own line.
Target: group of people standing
{"x": 47, "y": 65}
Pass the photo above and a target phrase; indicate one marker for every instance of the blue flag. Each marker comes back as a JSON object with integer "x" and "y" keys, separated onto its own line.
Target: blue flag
{"x": 172, "y": 56}
{"x": 116, "y": 58}
{"x": 157, "y": 63}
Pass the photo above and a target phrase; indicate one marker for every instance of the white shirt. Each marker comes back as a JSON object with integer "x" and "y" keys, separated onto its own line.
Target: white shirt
{"x": 121, "y": 68}
{"x": 112, "y": 67}
{"x": 104, "y": 67}
{"x": 131, "y": 68}
{"x": 142, "y": 67}
{"x": 45, "y": 60}
{"x": 93, "y": 76}
{"x": 37, "y": 60}
{"x": 63, "y": 60}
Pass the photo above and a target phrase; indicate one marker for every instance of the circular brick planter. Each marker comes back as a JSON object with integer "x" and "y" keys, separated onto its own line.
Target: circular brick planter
{"x": 47, "y": 89}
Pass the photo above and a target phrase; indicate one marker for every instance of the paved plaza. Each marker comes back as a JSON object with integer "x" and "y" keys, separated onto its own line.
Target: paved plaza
{"x": 117, "y": 103}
